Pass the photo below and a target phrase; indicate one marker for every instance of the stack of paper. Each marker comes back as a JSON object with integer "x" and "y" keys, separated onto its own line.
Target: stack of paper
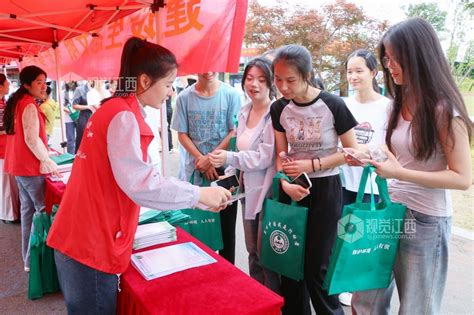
{"x": 173, "y": 217}
{"x": 167, "y": 260}
{"x": 64, "y": 177}
{"x": 64, "y": 168}
{"x": 153, "y": 234}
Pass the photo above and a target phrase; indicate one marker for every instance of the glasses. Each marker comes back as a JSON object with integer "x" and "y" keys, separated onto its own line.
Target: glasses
{"x": 386, "y": 60}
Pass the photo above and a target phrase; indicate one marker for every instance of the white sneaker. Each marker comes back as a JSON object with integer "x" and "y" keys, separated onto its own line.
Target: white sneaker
{"x": 345, "y": 298}
{"x": 27, "y": 269}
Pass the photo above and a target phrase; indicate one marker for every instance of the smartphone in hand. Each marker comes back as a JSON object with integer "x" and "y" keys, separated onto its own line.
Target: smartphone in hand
{"x": 343, "y": 150}
{"x": 227, "y": 182}
{"x": 302, "y": 180}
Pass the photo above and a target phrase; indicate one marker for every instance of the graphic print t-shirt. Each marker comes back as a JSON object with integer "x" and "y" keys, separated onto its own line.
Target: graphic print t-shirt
{"x": 313, "y": 129}
{"x": 206, "y": 120}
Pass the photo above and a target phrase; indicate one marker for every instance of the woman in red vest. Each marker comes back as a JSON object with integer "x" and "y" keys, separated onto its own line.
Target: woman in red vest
{"x": 10, "y": 206}
{"x": 94, "y": 228}
{"x": 26, "y": 153}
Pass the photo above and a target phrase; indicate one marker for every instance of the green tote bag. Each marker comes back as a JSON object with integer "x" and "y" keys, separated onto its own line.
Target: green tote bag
{"x": 367, "y": 241}
{"x": 204, "y": 225}
{"x": 283, "y": 235}
{"x": 35, "y": 288}
{"x": 43, "y": 275}
{"x": 73, "y": 114}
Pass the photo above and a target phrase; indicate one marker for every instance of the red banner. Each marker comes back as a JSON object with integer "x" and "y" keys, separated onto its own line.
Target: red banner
{"x": 205, "y": 35}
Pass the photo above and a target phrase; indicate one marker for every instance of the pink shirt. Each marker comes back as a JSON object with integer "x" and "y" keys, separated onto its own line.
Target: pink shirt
{"x": 430, "y": 201}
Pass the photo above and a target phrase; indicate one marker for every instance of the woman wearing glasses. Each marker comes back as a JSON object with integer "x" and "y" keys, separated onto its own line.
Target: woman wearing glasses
{"x": 428, "y": 138}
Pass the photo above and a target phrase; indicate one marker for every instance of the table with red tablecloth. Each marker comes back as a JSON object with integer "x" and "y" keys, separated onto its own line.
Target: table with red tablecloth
{"x": 218, "y": 288}
{"x": 53, "y": 193}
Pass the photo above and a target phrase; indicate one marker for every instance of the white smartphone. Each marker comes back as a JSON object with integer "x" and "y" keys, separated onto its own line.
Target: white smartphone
{"x": 226, "y": 182}
{"x": 343, "y": 150}
{"x": 302, "y": 180}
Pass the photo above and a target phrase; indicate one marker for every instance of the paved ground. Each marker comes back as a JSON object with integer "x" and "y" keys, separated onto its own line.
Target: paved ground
{"x": 458, "y": 299}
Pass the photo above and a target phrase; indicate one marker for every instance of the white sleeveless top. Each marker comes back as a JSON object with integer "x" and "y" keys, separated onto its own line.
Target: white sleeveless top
{"x": 430, "y": 201}
{"x": 243, "y": 141}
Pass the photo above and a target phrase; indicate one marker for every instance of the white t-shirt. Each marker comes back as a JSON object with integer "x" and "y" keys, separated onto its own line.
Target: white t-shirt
{"x": 153, "y": 119}
{"x": 371, "y": 128}
{"x": 94, "y": 97}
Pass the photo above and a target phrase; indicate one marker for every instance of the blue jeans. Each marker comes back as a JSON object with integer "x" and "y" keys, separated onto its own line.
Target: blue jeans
{"x": 31, "y": 191}
{"x": 420, "y": 268}
{"x": 86, "y": 290}
{"x": 253, "y": 238}
{"x": 71, "y": 137}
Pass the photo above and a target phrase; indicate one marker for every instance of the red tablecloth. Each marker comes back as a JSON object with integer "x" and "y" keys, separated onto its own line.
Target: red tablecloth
{"x": 218, "y": 288}
{"x": 53, "y": 194}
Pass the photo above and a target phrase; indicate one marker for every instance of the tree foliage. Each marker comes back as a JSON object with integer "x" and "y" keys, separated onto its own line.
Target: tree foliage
{"x": 429, "y": 12}
{"x": 330, "y": 34}
{"x": 460, "y": 51}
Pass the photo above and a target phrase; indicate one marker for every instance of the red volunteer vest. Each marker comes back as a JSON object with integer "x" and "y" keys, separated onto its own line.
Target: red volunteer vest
{"x": 19, "y": 160}
{"x": 3, "y": 143}
{"x": 96, "y": 221}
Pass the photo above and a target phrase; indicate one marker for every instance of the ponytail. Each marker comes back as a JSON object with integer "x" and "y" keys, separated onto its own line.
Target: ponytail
{"x": 142, "y": 57}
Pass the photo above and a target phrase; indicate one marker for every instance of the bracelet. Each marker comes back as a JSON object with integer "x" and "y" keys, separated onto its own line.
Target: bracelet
{"x": 312, "y": 164}
{"x": 320, "y": 165}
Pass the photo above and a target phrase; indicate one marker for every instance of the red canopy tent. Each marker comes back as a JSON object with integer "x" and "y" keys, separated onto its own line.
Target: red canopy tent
{"x": 31, "y": 26}
{"x": 84, "y": 38}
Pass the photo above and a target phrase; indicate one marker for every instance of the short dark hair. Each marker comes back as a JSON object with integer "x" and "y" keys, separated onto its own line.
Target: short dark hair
{"x": 370, "y": 62}
{"x": 265, "y": 66}
{"x": 427, "y": 82}
{"x": 298, "y": 57}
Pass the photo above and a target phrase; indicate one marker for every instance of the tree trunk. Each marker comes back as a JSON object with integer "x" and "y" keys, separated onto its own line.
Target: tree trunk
{"x": 343, "y": 86}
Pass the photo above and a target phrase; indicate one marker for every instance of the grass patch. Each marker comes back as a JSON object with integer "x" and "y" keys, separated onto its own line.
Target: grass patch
{"x": 467, "y": 86}
{"x": 469, "y": 101}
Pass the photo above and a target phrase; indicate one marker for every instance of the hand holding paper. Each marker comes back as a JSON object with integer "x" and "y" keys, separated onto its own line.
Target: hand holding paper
{"x": 213, "y": 197}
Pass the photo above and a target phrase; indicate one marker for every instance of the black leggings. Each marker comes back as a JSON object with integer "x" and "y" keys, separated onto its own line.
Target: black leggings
{"x": 81, "y": 123}
{"x": 324, "y": 204}
{"x": 228, "y": 219}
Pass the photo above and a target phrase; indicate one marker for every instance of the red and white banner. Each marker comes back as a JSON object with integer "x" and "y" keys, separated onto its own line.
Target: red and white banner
{"x": 205, "y": 35}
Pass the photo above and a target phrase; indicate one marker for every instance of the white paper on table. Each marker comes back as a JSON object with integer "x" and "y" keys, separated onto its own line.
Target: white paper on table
{"x": 157, "y": 228}
{"x": 167, "y": 260}
{"x": 64, "y": 177}
{"x": 65, "y": 168}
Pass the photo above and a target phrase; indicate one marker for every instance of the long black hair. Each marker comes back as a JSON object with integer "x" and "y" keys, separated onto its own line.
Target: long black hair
{"x": 265, "y": 66}
{"x": 27, "y": 76}
{"x": 142, "y": 57}
{"x": 298, "y": 57}
{"x": 427, "y": 85}
{"x": 370, "y": 62}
